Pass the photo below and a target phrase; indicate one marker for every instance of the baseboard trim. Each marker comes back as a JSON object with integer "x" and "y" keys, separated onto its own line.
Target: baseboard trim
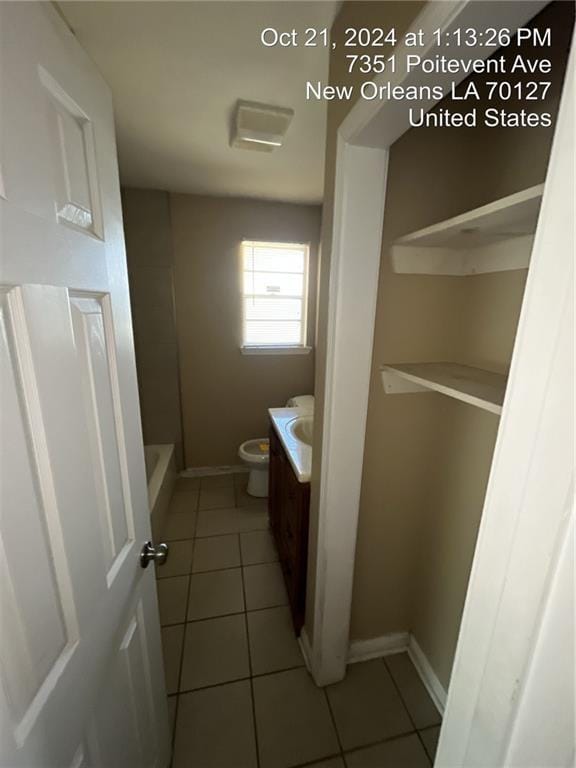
{"x": 363, "y": 650}
{"x": 427, "y": 675}
{"x": 210, "y": 471}
{"x": 386, "y": 645}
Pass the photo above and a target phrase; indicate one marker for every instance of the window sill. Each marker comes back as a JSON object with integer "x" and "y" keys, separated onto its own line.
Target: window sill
{"x": 296, "y": 350}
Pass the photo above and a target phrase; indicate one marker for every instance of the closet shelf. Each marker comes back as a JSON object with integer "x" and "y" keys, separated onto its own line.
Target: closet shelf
{"x": 494, "y": 238}
{"x": 475, "y": 386}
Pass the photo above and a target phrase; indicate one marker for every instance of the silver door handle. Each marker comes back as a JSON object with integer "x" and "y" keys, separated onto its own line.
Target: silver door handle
{"x": 149, "y": 553}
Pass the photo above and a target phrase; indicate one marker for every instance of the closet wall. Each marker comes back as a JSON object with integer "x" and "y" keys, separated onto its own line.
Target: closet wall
{"x": 427, "y": 457}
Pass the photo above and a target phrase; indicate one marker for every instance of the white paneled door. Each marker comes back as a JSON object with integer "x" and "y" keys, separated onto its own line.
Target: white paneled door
{"x": 80, "y": 663}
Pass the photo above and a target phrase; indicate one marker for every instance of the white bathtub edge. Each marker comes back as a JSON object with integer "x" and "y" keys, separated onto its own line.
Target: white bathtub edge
{"x": 161, "y": 486}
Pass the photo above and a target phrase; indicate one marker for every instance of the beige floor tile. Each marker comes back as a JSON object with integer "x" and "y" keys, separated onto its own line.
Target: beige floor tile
{"x": 215, "y": 651}
{"x": 264, "y": 586}
{"x": 215, "y": 553}
{"x": 181, "y": 525}
{"x": 185, "y": 484}
{"x": 366, "y": 705}
{"x": 172, "y": 704}
{"x": 292, "y": 719}
{"x": 183, "y": 501}
{"x": 172, "y": 641}
{"x": 273, "y": 644}
{"x": 405, "y": 752}
{"x": 221, "y": 497}
{"x": 216, "y": 481}
{"x": 416, "y": 698}
{"x": 179, "y": 560}
{"x": 172, "y": 596}
{"x": 243, "y": 498}
{"x": 257, "y": 547}
{"x": 430, "y": 738}
{"x": 215, "y": 728}
{"x": 215, "y": 522}
{"x": 332, "y": 762}
{"x": 216, "y": 593}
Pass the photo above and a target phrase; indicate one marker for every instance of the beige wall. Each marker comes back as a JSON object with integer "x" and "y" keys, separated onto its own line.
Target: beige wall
{"x": 149, "y": 253}
{"x": 427, "y": 457}
{"x": 225, "y": 395}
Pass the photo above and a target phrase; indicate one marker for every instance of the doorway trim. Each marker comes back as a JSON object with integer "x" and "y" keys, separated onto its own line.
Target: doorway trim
{"x": 364, "y": 140}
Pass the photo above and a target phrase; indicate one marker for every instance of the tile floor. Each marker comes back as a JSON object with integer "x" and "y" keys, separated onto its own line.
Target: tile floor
{"x": 239, "y": 695}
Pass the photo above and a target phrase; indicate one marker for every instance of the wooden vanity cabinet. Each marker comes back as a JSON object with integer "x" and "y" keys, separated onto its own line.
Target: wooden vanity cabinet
{"x": 288, "y": 505}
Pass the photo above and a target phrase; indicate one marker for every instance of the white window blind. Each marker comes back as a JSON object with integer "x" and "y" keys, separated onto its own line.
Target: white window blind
{"x": 274, "y": 295}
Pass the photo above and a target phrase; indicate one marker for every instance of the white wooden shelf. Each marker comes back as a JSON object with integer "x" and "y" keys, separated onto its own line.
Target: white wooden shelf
{"x": 496, "y": 237}
{"x": 475, "y": 386}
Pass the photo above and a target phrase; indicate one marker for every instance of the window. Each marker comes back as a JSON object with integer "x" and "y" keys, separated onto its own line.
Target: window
{"x": 274, "y": 297}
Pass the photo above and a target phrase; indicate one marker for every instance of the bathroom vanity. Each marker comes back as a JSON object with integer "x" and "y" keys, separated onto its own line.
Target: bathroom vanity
{"x": 288, "y": 504}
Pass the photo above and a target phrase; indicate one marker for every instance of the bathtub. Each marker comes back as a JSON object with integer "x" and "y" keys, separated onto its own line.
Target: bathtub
{"x": 161, "y": 477}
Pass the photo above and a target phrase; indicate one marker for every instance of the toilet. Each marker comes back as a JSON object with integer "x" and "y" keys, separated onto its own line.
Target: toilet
{"x": 256, "y": 453}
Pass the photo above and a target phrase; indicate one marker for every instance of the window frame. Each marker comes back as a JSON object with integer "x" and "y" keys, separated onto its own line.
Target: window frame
{"x": 302, "y": 348}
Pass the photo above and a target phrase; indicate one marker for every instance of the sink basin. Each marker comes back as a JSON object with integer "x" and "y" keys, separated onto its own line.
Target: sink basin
{"x": 301, "y": 428}
{"x": 294, "y": 427}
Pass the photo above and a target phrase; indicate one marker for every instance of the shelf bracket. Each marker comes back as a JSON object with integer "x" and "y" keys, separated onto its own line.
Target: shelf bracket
{"x": 399, "y": 385}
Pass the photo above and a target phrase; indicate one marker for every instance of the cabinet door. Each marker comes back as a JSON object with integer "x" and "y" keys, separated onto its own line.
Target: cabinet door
{"x": 288, "y": 505}
{"x": 275, "y": 482}
{"x": 291, "y": 514}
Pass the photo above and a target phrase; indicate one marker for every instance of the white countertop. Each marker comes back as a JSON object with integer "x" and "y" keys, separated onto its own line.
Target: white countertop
{"x": 299, "y": 453}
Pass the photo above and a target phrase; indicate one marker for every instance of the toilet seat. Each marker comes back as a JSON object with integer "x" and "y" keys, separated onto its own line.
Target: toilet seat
{"x": 253, "y": 452}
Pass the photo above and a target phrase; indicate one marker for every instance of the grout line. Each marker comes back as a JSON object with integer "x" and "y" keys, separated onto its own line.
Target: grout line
{"x": 268, "y": 608}
{"x": 431, "y": 758}
{"x": 187, "y": 620}
{"x": 407, "y": 710}
{"x": 325, "y": 692}
{"x": 183, "y": 649}
{"x": 213, "y": 618}
{"x": 278, "y": 671}
{"x": 309, "y": 764}
{"x": 215, "y": 570}
{"x": 257, "y": 676}
{"x": 230, "y": 533}
{"x": 396, "y": 737}
{"x": 216, "y": 535}
{"x": 235, "y": 613}
{"x": 255, "y": 726}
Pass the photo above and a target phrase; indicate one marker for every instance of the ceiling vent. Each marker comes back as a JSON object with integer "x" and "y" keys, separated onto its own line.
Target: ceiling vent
{"x": 260, "y": 126}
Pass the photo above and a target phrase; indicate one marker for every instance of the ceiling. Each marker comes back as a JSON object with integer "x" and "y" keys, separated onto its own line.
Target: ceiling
{"x": 176, "y": 70}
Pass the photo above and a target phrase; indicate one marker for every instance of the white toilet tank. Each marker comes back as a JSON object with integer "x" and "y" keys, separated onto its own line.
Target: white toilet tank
{"x": 304, "y": 402}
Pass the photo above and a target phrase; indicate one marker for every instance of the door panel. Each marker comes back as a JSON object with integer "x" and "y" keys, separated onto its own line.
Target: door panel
{"x": 100, "y": 395}
{"x": 80, "y": 662}
{"x": 125, "y": 713}
{"x": 33, "y": 639}
{"x": 72, "y": 148}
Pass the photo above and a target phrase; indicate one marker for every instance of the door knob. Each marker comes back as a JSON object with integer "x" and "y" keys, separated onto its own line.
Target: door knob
{"x": 150, "y": 553}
